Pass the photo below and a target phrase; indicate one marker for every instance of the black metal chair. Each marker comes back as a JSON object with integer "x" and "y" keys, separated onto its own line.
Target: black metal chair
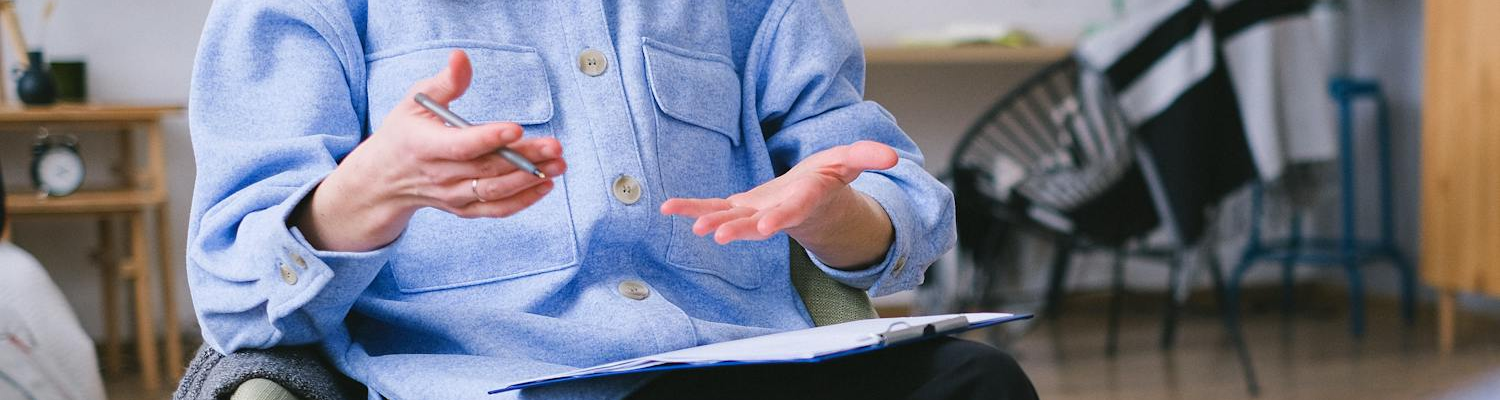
{"x": 1056, "y": 156}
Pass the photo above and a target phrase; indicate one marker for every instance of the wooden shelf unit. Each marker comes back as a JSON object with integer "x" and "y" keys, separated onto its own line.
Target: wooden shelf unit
{"x": 83, "y": 112}
{"x": 84, "y": 202}
{"x": 142, "y": 195}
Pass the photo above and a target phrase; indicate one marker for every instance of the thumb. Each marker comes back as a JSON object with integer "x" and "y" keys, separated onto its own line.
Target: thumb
{"x": 447, "y": 85}
{"x": 866, "y": 155}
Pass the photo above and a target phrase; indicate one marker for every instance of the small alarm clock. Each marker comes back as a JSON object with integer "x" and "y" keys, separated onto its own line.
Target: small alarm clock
{"x": 56, "y": 166}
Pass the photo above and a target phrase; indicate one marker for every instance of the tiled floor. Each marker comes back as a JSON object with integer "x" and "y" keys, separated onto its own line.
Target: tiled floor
{"x": 1310, "y": 356}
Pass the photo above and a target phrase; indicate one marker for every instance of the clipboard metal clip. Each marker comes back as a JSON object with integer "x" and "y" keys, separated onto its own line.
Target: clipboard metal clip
{"x": 901, "y": 332}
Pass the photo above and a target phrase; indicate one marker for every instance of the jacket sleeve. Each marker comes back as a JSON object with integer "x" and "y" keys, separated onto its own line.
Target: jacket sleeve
{"x": 809, "y": 95}
{"x": 275, "y": 103}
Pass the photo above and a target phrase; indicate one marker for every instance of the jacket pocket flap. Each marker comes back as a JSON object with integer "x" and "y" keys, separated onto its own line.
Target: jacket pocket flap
{"x": 509, "y": 82}
{"x": 695, "y": 87}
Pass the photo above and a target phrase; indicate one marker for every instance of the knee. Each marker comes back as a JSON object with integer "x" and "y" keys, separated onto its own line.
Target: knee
{"x": 988, "y": 371}
{"x": 988, "y": 360}
{"x": 261, "y": 389}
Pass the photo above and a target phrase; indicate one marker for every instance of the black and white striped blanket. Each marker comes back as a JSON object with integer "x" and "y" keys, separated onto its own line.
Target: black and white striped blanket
{"x": 1218, "y": 92}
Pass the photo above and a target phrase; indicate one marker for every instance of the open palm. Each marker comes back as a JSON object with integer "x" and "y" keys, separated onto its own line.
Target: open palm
{"x": 798, "y": 199}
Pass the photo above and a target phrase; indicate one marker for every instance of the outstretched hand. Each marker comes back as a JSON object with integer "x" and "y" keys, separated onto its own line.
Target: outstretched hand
{"x": 808, "y": 202}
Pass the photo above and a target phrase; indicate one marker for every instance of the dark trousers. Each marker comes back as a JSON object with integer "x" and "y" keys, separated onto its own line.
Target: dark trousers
{"x": 943, "y": 368}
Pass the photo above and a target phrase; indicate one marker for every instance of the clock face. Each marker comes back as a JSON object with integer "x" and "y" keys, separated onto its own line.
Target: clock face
{"x": 59, "y": 171}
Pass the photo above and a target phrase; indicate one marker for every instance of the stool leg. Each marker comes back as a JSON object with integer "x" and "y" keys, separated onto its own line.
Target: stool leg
{"x": 1356, "y": 299}
{"x": 1348, "y": 250}
{"x": 1387, "y": 224}
{"x": 1408, "y": 288}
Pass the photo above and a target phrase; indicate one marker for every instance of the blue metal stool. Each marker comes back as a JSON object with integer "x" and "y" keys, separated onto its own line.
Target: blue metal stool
{"x": 1347, "y": 250}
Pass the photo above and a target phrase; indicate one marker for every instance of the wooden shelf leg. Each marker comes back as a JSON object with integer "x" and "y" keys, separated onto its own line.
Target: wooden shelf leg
{"x": 1446, "y": 299}
{"x": 145, "y": 333}
{"x": 168, "y": 301}
{"x": 110, "y": 283}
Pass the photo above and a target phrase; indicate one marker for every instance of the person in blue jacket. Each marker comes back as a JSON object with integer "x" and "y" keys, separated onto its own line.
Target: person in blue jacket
{"x": 684, "y": 142}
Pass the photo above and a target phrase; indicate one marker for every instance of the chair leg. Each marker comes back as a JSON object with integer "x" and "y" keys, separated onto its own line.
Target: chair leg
{"x": 1288, "y": 265}
{"x": 1216, "y": 272}
{"x": 1116, "y": 303}
{"x": 987, "y": 275}
{"x": 1175, "y": 297}
{"x": 1062, "y": 255}
{"x": 1231, "y": 309}
{"x": 986, "y": 298}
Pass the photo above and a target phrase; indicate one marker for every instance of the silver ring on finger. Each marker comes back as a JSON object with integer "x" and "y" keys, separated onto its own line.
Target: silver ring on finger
{"x": 474, "y": 187}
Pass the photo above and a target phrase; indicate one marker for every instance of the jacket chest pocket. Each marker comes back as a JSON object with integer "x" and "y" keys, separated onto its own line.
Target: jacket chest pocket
{"x": 442, "y": 251}
{"x": 698, "y": 146}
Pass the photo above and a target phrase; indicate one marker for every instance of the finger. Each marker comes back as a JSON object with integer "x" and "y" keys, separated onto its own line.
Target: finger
{"x": 739, "y": 229}
{"x": 445, "y": 87}
{"x": 710, "y": 222}
{"x": 780, "y": 218}
{"x": 505, "y": 207}
{"x": 461, "y": 192}
{"x": 510, "y": 184}
{"x": 539, "y": 151}
{"x": 694, "y": 208}
{"x": 467, "y": 143}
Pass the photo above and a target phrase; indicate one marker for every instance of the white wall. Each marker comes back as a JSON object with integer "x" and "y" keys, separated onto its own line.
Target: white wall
{"x": 1052, "y": 21}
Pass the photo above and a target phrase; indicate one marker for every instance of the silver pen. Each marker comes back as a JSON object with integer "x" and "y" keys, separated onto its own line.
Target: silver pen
{"x": 453, "y": 119}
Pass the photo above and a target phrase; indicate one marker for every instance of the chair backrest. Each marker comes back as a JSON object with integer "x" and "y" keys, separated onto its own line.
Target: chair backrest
{"x": 1058, "y": 139}
{"x": 828, "y": 301}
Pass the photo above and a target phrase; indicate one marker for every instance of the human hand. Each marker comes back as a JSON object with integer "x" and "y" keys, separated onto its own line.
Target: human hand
{"x": 414, "y": 161}
{"x": 811, "y": 202}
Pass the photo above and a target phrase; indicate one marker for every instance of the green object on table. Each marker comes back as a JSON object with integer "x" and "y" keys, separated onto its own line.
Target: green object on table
{"x": 1016, "y": 39}
{"x": 71, "y": 78}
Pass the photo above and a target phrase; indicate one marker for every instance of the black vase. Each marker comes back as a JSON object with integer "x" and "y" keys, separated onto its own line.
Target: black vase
{"x": 35, "y": 86}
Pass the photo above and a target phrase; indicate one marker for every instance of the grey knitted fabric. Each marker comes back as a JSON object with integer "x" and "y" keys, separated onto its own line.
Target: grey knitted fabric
{"x": 298, "y": 369}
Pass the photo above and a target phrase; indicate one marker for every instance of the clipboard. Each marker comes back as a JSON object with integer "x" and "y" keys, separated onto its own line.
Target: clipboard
{"x": 838, "y": 341}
